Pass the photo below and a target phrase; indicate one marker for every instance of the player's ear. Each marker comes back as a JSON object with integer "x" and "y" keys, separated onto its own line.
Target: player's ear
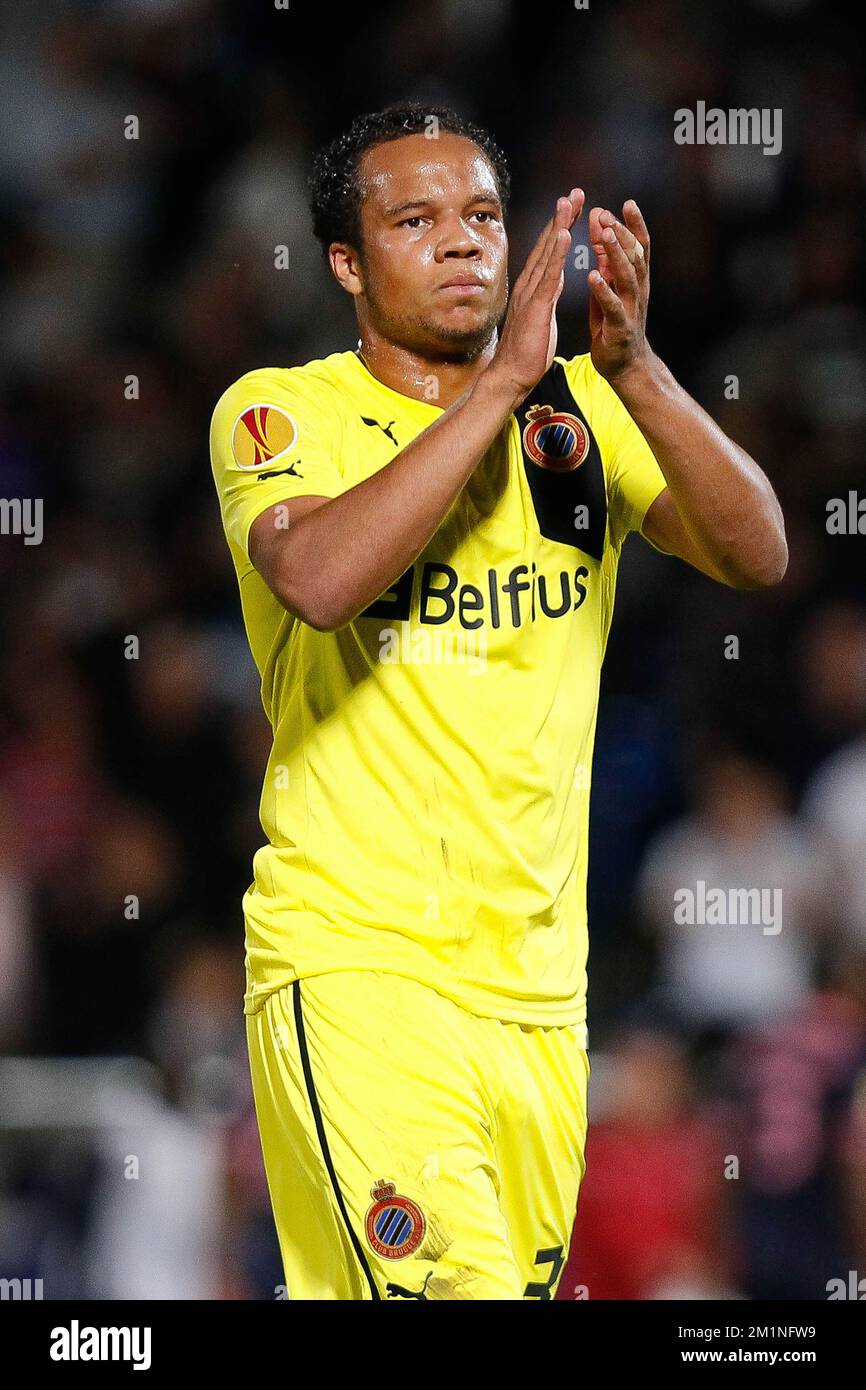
{"x": 346, "y": 265}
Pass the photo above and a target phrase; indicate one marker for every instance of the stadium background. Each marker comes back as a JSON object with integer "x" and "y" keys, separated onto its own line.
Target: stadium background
{"x": 129, "y": 1159}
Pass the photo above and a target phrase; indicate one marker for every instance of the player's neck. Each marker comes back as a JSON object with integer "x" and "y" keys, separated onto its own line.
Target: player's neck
{"x": 433, "y": 379}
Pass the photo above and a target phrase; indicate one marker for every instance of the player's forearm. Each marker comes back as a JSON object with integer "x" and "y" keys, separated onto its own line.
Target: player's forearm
{"x": 347, "y": 552}
{"x": 724, "y": 499}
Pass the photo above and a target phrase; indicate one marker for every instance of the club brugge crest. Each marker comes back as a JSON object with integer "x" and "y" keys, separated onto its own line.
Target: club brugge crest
{"x": 395, "y": 1225}
{"x": 555, "y": 439}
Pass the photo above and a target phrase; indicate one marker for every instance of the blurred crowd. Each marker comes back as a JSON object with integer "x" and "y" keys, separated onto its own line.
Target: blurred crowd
{"x": 727, "y": 1150}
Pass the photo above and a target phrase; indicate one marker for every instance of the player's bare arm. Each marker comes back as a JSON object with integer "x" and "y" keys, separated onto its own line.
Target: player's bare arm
{"x": 719, "y": 511}
{"x": 336, "y": 556}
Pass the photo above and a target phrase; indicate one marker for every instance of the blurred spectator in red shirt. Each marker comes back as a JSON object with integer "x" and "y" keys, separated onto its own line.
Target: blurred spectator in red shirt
{"x": 649, "y": 1215}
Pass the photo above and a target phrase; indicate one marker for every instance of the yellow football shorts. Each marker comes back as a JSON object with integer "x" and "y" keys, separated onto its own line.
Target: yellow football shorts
{"x": 414, "y": 1149}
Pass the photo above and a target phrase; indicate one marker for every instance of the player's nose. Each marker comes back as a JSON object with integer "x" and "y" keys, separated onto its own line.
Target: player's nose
{"x": 458, "y": 239}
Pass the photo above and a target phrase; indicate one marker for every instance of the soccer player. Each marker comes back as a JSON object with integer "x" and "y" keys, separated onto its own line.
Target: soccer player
{"x": 426, "y": 531}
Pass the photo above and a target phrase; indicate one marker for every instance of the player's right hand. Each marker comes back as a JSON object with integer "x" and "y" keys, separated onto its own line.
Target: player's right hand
{"x": 527, "y": 341}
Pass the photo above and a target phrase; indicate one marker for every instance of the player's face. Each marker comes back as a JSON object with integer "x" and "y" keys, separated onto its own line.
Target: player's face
{"x": 434, "y": 259}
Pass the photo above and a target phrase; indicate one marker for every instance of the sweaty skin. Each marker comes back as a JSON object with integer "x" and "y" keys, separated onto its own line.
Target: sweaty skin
{"x": 431, "y": 216}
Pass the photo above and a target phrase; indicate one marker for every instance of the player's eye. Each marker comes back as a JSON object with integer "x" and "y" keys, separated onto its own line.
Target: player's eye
{"x": 483, "y": 212}
{"x": 407, "y": 221}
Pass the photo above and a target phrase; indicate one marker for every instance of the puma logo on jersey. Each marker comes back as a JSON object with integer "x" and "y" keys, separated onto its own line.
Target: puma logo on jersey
{"x": 275, "y": 472}
{"x": 386, "y": 429}
{"x": 397, "y": 1290}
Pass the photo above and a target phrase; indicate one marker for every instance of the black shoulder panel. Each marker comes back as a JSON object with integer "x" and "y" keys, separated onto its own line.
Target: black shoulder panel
{"x": 553, "y": 433}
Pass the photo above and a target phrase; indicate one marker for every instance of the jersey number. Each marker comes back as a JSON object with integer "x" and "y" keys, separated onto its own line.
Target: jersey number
{"x": 553, "y": 1257}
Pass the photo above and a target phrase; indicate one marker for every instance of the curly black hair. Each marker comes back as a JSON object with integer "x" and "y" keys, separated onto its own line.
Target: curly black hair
{"x": 334, "y": 186}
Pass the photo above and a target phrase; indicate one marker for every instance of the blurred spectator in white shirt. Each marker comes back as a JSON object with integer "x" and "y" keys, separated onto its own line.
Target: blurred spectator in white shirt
{"x": 835, "y": 804}
{"x": 751, "y": 958}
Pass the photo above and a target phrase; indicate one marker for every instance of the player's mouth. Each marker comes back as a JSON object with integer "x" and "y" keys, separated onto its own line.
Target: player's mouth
{"x": 463, "y": 286}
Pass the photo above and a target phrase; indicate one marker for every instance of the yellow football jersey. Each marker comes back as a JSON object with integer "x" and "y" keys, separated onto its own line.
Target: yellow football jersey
{"x": 427, "y": 794}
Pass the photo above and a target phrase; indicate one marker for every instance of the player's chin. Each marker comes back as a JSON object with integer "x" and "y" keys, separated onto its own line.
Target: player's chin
{"x": 464, "y": 323}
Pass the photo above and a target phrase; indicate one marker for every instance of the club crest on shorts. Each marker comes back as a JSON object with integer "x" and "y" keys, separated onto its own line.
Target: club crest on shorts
{"x": 262, "y": 433}
{"x": 555, "y": 439}
{"x": 394, "y": 1224}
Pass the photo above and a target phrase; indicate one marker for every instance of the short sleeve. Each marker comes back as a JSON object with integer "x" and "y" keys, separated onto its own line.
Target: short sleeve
{"x": 272, "y": 438}
{"x": 634, "y": 476}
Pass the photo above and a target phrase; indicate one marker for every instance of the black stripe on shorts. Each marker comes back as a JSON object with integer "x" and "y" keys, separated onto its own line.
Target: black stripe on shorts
{"x": 320, "y": 1130}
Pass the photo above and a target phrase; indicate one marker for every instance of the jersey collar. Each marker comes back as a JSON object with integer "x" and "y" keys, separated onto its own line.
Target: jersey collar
{"x": 370, "y": 381}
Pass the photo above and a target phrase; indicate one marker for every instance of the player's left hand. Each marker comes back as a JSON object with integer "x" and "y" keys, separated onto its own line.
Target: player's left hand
{"x": 619, "y": 290}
